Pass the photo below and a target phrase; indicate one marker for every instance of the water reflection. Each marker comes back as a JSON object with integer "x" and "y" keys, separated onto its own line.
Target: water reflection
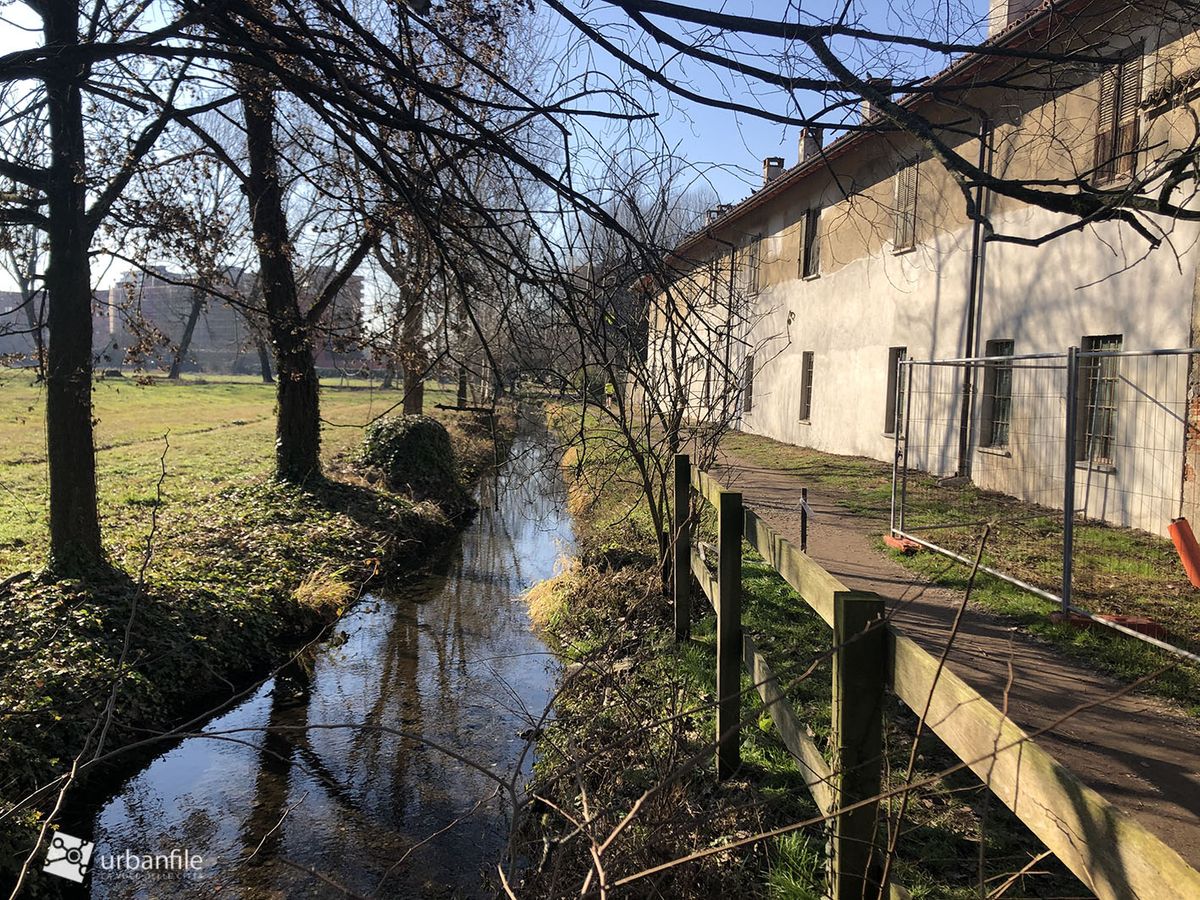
{"x": 342, "y": 788}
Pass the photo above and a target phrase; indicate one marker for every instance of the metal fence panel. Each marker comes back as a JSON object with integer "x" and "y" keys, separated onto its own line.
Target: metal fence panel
{"x": 1012, "y": 441}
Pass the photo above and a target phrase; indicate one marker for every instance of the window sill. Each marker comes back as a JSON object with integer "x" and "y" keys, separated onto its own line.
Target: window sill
{"x": 1102, "y": 468}
{"x": 813, "y": 277}
{"x": 902, "y": 251}
{"x": 804, "y": 421}
{"x": 1003, "y": 452}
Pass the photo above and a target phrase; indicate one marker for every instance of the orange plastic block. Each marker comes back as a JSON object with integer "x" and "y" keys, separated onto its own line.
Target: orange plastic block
{"x": 1187, "y": 548}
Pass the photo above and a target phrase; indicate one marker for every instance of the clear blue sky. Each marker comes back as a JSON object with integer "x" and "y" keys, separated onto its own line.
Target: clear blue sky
{"x": 727, "y": 148}
{"x": 724, "y": 149}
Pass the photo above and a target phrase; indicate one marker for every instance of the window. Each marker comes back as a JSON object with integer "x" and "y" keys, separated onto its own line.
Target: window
{"x": 1117, "y": 119}
{"x": 748, "y": 384}
{"x": 754, "y": 265}
{"x": 806, "y": 380}
{"x": 810, "y": 244}
{"x": 895, "y": 393}
{"x": 906, "y": 207}
{"x": 1096, "y": 421}
{"x": 997, "y": 397}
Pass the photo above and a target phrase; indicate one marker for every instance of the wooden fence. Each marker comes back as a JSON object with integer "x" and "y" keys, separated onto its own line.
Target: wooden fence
{"x": 1112, "y": 855}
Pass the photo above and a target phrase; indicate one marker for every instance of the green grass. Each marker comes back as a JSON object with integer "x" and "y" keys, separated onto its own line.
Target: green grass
{"x": 243, "y": 569}
{"x": 1117, "y": 570}
{"x": 220, "y": 434}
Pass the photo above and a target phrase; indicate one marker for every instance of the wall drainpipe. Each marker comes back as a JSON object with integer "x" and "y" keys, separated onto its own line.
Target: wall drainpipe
{"x": 974, "y": 298}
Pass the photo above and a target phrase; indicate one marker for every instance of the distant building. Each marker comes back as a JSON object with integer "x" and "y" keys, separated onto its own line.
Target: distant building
{"x": 145, "y": 316}
{"x": 339, "y": 338}
{"x": 147, "y": 313}
{"x": 16, "y": 341}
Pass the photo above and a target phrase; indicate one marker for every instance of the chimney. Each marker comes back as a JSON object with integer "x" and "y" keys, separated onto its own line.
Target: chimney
{"x": 772, "y": 168}
{"x": 1002, "y": 13}
{"x": 997, "y": 17}
{"x": 715, "y": 212}
{"x": 883, "y": 85}
{"x": 811, "y": 138}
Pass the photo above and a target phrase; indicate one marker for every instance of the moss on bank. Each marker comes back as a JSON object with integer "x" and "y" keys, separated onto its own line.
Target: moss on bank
{"x": 235, "y": 586}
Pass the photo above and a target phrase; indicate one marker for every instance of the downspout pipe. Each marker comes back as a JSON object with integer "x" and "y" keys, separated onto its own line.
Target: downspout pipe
{"x": 727, "y": 393}
{"x": 974, "y": 304}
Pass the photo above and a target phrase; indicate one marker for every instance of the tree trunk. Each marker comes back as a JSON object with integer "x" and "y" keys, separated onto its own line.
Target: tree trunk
{"x": 462, "y": 386}
{"x": 34, "y": 316}
{"x": 75, "y": 542}
{"x": 389, "y": 375}
{"x": 414, "y": 391}
{"x": 189, "y": 329}
{"x": 298, "y": 419}
{"x": 264, "y": 361}
{"x": 412, "y": 353}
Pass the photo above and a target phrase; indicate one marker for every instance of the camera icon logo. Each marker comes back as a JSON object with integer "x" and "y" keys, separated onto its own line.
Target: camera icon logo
{"x": 68, "y": 857}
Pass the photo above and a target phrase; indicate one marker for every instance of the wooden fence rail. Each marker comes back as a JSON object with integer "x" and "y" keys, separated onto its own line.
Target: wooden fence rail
{"x": 1113, "y": 855}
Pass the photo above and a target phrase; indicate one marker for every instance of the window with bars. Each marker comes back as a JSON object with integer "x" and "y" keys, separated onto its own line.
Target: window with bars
{"x": 1117, "y": 119}
{"x": 748, "y": 384}
{"x": 895, "y": 392}
{"x": 1099, "y": 376}
{"x": 997, "y": 397}
{"x": 810, "y": 244}
{"x": 905, "y": 237}
{"x": 806, "y": 385}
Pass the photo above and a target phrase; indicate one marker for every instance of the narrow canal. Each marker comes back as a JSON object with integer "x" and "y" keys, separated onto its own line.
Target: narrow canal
{"x": 375, "y": 767}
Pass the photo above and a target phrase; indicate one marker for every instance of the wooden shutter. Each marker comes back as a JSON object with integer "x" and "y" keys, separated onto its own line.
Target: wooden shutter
{"x": 754, "y": 264}
{"x": 906, "y": 207}
{"x": 802, "y": 256}
{"x": 1110, "y": 80}
{"x": 1129, "y": 102}
{"x": 806, "y": 385}
{"x": 1117, "y": 119}
{"x": 810, "y": 255}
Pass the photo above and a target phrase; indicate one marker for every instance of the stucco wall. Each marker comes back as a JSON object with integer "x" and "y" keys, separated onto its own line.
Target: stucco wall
{"x": 1044, "y": 300}
{"x": 1097, "y": 281}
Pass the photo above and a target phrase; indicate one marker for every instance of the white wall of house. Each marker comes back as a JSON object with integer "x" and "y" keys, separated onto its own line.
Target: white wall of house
{"x": 1044, "y": 299}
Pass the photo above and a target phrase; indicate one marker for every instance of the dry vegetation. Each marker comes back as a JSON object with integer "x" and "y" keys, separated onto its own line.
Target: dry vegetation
{"x": 635, "y": 715}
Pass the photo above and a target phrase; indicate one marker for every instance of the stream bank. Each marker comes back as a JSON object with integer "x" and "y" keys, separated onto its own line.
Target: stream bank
{"x": 385, "y": 763}
{"x": 233, "y": 589}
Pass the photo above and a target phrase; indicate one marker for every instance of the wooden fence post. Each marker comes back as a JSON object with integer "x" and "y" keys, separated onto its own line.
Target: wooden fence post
{"x": 730, "y": 524}
{"x": 683, "y": 547}
{"x": 859, "y": 671}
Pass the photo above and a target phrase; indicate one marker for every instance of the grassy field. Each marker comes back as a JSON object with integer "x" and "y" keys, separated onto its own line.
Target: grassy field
{"x": 609, "y": 617}
{"x": 216, "y": 433}
{"x": 243, "y": 570}
{"x": 1117, "y": 570}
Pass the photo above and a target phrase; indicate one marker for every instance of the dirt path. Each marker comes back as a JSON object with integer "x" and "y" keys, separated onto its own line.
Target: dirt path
{"x": 1139, "y": 752}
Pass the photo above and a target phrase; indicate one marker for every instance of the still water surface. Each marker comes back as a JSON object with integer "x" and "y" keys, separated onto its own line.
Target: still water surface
{"x": 450, "y": 660}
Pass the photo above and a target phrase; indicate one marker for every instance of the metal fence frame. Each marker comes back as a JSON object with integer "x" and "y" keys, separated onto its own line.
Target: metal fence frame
{"x": 1072, "y": 361}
